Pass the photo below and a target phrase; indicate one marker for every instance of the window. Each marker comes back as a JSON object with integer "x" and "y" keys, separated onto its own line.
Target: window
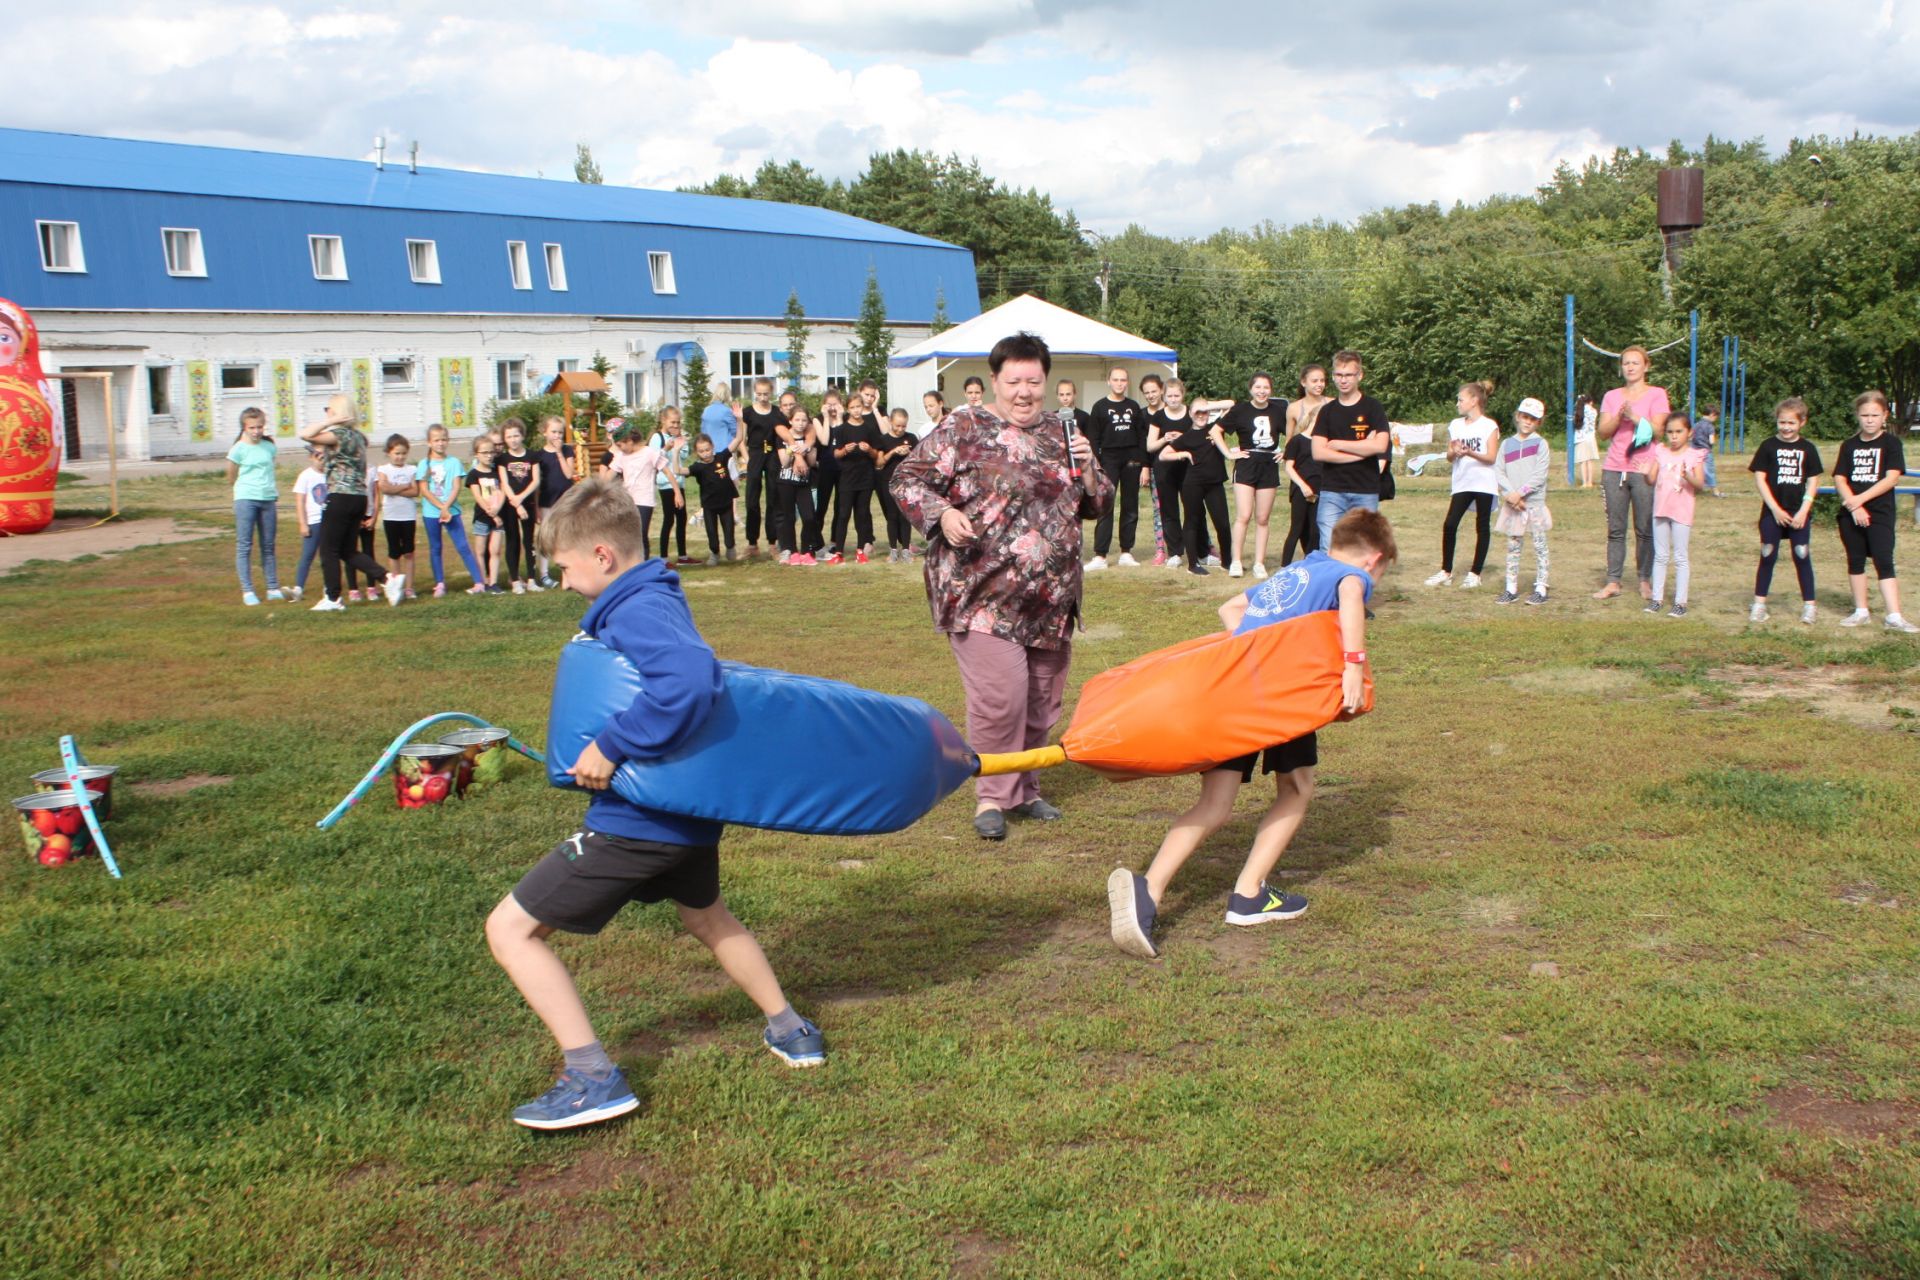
{"x": 517, "y": 264}
{"x": 396, "y": 373}
{"x": 556, "y": 267}
{"x": 182, "y": 246}
{"x": 509, "y": 379}
{"x": 660, "y": 266}
{"x": 60, "y": 247}
{"x": 423, "y": 261}
{"x": 837, "y": 364}
{"x": 239, "y": 377}
{"x": 565, "y": 366}
{"x": 744, "y": 367}
{"x": 329, "y": 257}
{"x": 322, "y": 375}
{"x": 636, "y": 388}
{"x": 159, "y": 391}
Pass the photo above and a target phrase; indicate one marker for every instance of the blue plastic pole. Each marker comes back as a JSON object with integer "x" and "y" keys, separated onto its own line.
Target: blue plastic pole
{"x": 72, "y": 761}
{"x": 386, "y": 759}
{"x": 1726, "y": 396}
{"x": 1743, "y": 406}
{"x": 1693, "y": 360}
{"x": 1570, "y": 391}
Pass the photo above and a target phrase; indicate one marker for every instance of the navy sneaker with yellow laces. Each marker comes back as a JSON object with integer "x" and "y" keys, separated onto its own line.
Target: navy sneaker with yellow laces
{"x": 804, "y": 1046}
{"x": 578, "y": 1099}
{"x": 1264, "y": 906}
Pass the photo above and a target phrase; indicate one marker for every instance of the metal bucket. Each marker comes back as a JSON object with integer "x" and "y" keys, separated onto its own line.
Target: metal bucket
{"x": 53, "y": 826}
{"x": 424, "y": 773}
{"x": 473, "y": 744}
{"x": 98, "y": 779}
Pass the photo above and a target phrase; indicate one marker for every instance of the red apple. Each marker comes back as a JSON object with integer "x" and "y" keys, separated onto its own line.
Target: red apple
{"x": 45, "y": 822}
{"x": 52, "y": 857}
{"x": 63, "y": 845}
{"x": 69, "y": 821}
{"x": 434, "y": 788}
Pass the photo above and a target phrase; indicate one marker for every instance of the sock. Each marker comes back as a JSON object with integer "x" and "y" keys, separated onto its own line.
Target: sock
{"x": 785, "y": 1023}
{"x": 591, "y": 1060}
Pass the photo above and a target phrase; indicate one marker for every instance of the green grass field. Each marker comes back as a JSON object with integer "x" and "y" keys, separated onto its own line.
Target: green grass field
{"x": 1612, "y": 965}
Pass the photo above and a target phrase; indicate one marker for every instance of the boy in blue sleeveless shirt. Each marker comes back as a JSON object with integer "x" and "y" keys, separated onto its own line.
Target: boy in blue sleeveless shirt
{"x": 624, "y": 853}
{"x": 1340, "y": 580}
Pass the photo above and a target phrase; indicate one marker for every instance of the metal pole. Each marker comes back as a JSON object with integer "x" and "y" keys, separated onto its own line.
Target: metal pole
{"x": 1693, "y": 360}
{"x": 1730, "y": 411}
{"x": 1743, "y": 406}
{"x": 1726, "y": 400}
{"x": 1570, "y": 392}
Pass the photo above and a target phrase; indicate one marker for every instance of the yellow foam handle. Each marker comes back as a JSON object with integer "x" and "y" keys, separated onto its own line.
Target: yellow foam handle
{"x": 995, "y": 763}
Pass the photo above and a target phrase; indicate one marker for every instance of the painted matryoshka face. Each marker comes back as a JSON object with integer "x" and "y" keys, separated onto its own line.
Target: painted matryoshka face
{"x": 10, "y": 342}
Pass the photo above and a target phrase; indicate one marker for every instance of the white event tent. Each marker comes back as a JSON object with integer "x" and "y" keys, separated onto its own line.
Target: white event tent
{"x": 1083, "y": 350}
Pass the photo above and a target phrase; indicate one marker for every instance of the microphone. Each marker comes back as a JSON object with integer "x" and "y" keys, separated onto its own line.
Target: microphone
{"x": 1066, "y": 434}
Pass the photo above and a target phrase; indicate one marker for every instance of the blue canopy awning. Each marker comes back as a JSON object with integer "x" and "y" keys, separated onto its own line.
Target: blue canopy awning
{"x": 681, "y": 351}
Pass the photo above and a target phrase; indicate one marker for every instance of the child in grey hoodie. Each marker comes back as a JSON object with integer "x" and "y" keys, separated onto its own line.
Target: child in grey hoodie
{"x": 1520, "y": 471}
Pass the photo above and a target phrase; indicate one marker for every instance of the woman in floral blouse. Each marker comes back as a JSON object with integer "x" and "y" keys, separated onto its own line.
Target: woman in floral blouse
{"x": 1000, "y": 494}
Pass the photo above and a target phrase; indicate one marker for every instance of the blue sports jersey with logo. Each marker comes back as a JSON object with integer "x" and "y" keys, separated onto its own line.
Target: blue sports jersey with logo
{"x": 1306, "y": 586}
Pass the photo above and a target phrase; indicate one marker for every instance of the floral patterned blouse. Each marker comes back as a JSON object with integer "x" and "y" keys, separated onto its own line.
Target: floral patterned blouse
{"x": 1020, "y": 577}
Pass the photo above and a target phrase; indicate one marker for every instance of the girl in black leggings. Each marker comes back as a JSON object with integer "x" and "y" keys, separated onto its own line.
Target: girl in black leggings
{"x": 346, "y": 503}
{"x": 1472, "y": 439}
{"x": 1303, "y": 490}
{"x": 1202, "y": 450}
{"x": 896, "y": 444}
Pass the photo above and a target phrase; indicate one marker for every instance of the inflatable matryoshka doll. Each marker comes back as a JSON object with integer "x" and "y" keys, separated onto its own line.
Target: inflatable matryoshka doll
{"x": 29, "y": 445}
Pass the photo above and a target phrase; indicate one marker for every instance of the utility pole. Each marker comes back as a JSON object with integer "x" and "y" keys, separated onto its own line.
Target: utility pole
{"x": 1104, "y": 277}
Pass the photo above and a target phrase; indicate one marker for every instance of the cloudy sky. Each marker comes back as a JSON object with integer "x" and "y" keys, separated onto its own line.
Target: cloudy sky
{"x": 1182, "y": 118}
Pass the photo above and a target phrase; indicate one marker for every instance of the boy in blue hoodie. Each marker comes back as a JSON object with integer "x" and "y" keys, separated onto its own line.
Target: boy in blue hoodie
{"x": 624, "y": 853}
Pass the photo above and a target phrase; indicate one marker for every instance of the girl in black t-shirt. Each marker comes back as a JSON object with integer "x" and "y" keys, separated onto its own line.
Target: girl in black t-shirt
{"x": 854, "y": 444}
{"x": 1868, "y": 467}
{"x": 1165, "y": 425}
{"x": 1303, "y": 490}
{"x": 520, "y": 480}
{"x": 556, "y": 477}
{"x": 826, "y": 468}
{"x": 1201, "y": 447}
{"x": 799, "y": 531}
{"x": 1785, "y": 468}
{"x": 895, "y": 444}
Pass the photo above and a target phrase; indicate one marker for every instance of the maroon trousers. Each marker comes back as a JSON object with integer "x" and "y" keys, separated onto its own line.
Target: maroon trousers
{"x": 1013, "y": 701}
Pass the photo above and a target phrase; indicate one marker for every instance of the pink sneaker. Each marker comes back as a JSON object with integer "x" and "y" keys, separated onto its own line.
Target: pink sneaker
{"x": 439, "y": 589}
{"x": 1159, "y": 557}
{"x": 835, "y": 558}
{"x": 859, "y": 557}
{"x": 802, "y": 559}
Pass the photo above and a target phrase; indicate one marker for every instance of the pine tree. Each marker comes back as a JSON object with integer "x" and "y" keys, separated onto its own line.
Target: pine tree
{"x": 940, "y": 322}
{"x": 584, "y": 168}
{"x": 798, "y": 331}
{"x": 694, "y": 393}
{"x": 872, "y": 340}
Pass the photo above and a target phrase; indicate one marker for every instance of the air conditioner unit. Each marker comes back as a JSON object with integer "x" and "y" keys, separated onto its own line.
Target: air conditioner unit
{"x": 636, "y": 346}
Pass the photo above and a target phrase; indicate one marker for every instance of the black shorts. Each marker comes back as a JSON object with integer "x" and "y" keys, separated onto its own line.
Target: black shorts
{"x": 1301, "y": 753}
{"x": 399, "y": 537}
{"x": 1258, "y": 471}
{"x": 586, "y": 878}
{"x": 1875, "y": 542}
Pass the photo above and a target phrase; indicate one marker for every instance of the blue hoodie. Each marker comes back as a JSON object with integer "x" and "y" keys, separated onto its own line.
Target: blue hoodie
{"x": 643, "y": 614}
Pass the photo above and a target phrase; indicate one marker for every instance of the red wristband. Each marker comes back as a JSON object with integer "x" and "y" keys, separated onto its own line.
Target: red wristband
{"x": 1354, "y": 655}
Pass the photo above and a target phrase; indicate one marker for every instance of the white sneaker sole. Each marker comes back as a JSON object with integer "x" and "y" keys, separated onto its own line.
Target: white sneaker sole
{"x": 1124, "y": 923}
{"x": 799, "y": 1063}
{"x": 1244, "y": 918}
{"x": 606, "y": 1111}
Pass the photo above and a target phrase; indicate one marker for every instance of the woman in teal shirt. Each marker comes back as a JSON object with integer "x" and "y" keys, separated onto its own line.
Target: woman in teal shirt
{"x": 256, "y": 499}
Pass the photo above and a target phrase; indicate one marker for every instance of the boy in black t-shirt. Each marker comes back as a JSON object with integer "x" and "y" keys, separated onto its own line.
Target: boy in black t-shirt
{"x": 1350, "y": 437}
{"x": 1785, "y": 468}
{"x": 1868, "y": 467}
{"x": 1119, "y": 431}
{"x": 717, "y": 492}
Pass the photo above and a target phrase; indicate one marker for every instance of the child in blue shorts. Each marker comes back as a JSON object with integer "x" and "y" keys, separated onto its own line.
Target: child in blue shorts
{"x": 1338, "y": 579}
{"x": 624, "y": 853}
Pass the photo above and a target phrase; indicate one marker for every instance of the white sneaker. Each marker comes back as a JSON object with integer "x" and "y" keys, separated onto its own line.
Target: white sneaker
{"x": 329, "y": 606}
{"x": 1173, "y": 562}
{"x": 1234, "y": 570}
{"x": 1259, "y": 570}
{"x": 1807, "y": 612}
{"x": 249, "y": 599}
{"x": 1897, "y": 623}
{"x": 276, "y": 596}
{"x": 1440, "y": 579}
{"x": 534, "y": 587}
{"x": 395, "y": 587}
{"x": 713, "y": 560}
{"x": 1858, "y": 618}
{"x": 1469, "y": 582}
{"x": 1098, "y": 562}
{"x": 1758, "y": 613}
{"x": 1213, "y": 562}
{"x": 294, "y": 593}
{"x": 519, "y": 588}
{"x": 1127, "y": 561}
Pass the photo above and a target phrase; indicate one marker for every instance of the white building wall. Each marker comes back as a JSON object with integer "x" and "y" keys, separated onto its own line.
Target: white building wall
{"x": 131, "y": 344}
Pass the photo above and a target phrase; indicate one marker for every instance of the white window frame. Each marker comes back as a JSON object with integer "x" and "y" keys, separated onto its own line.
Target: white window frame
{"x": 556, "y": 257}
{"x": 163, "y": 374}
{"x": 413, "y": 373}
{"x": 519, "y": 272}
{"x": 339, "y": 254}
{"x": 841, "y": 376}
{"x": 332, "y": 383}
{"x": 504, "y": 370}
{"x": 253, "y": 369}
{"x": 196, "y": 264}
{"x": 566, "y": 366}
{"x": 635, "y": 386}
{"x": 761, "y": 366}
{"x": 660, "y": 270}
{"x": 77, "y": 265}
{"x": 427, "y": 272}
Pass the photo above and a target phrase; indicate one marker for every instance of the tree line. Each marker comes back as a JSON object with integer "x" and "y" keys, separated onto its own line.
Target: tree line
{"x": 1814, "y": 263}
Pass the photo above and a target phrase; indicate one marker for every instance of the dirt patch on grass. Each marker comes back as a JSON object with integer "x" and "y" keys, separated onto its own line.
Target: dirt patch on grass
{"x": 977, "y": 1254}
{"x": 595, "y": 1171}
{"x": 85, "y": 536}
{"x": 1579, "y": 682}
{"x": 1836, "y": 692}
{"x": 1803, "y": 1110}
{"x": 171, "y": 787}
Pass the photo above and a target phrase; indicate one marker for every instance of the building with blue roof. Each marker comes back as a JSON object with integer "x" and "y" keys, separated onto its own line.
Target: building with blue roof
{"x": 214, "y": 279}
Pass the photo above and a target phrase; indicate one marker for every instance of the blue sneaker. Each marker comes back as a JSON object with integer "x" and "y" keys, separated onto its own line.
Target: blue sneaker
{"x": 802, "y": 1047}
{"x": 1132, "y": 913}
{"x": 578, "y": 1099}
{"x": 1266, "y": 905}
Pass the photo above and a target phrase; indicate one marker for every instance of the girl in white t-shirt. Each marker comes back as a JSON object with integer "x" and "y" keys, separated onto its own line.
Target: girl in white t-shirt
{"x": 1472, "y": 439}
{"x": 399, "y": 511}
{"x": 309, "y": 498}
